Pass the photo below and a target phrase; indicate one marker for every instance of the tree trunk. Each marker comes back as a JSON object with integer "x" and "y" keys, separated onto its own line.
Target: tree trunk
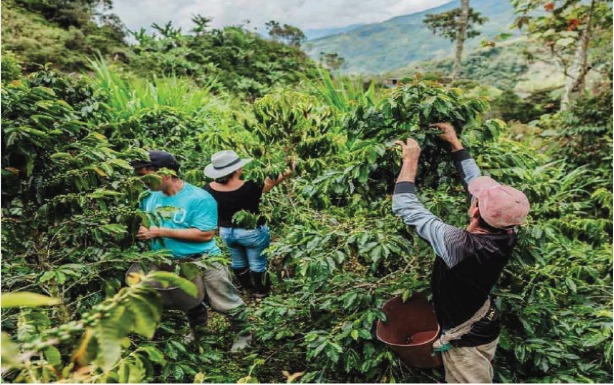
{"x": 461, "y": 36}
{"x": 578, "y": 69}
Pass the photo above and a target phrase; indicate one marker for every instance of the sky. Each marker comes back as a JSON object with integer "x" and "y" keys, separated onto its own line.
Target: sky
{"x": 305, "y": 14}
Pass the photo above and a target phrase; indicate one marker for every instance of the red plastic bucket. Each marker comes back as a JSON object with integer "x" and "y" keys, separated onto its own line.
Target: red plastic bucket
{"x": 410, "y": 330}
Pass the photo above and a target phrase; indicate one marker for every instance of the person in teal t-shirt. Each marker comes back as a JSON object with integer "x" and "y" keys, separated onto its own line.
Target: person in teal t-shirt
{"x": 190, "y": 208}
{"x": 188, "y": 223}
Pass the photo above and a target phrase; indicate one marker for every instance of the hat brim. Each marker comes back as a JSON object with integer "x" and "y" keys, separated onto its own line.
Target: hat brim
{"x": 214, "y": 173}
{"x": 139, "y": 163}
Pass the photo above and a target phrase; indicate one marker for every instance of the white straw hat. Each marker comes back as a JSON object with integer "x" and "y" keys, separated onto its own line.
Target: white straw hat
{"x": 224, "y": 163}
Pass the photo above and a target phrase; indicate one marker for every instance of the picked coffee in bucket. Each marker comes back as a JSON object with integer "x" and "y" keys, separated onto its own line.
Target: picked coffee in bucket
{"x": 410, "y": 330}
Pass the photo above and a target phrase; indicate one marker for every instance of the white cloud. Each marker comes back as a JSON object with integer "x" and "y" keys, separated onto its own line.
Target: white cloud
{"x": 305, "y": 14}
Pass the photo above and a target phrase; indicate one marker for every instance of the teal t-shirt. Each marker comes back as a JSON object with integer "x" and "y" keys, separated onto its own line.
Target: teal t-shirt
{"x": 191, "y": 207}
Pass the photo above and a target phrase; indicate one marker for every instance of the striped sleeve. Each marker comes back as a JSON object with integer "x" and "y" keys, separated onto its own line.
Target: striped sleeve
{"x": 447, "y": 241}
{"x": 466, "y": 166}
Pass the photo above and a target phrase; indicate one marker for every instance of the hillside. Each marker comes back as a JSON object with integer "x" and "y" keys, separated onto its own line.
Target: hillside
{"x": 380, "y": 47}
{"x": 37, "y": 35}
{"x": 313, "y": 34}
{"x": 505, "y": 66}
{"x": 230, "y": 58}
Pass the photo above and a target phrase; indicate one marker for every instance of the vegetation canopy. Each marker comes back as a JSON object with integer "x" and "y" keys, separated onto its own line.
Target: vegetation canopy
{"x": 70, "y": 215}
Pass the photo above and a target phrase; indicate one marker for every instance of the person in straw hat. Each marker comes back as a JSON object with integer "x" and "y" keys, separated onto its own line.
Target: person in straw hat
{"x": 233, "y": 194}
{"x": 468, "y": 263}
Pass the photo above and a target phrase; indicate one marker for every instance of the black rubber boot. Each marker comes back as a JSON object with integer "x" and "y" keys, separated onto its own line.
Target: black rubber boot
{"x": 262, "y": 281}
{"x": 197, "y": 319}
{"x": 238, "y": 318}
{"x": 245, "y": 281}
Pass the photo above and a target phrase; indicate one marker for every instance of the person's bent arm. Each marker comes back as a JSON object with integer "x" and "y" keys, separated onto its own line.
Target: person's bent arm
{"x": 187, "y": 235}
{"x": 202, "y": 225}
{"x": 411, "y": 155}
{"x": 465, "y": 165}
{"x": 270, "y": 183}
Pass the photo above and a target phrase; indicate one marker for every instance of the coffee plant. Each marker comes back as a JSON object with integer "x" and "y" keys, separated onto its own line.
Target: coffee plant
{"x": 70, "y": 215}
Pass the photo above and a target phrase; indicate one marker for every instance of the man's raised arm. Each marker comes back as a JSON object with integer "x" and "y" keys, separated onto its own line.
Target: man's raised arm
{"x": 465, "y": 165}
{"x": 405, "y": 204}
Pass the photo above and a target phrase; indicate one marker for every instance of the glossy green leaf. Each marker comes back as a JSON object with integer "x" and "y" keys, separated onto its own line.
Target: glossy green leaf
{"x": 27, "y": 299}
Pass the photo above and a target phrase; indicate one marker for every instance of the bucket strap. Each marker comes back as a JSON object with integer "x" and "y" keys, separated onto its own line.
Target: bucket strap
{"x": 442, "y": 344}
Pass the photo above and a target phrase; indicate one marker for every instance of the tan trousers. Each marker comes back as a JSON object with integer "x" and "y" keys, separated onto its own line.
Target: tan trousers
{"x": 470, "y": 364}
{"x": 220, "y": 293}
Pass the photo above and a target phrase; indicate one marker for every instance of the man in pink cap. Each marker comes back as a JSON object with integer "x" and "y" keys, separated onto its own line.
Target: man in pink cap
{"x": 468, "y": 263}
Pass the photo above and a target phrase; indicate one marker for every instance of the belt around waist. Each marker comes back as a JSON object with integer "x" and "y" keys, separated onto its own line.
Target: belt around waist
{"x": 243, "y": 228}
{"x": 189, "y": 258}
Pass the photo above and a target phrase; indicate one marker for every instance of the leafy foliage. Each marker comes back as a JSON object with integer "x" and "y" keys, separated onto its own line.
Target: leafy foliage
{"x": 587, "y": 133}
{"x": 567, "y": 30}
{"x": 240, "y": 60}
{"x": 287, "y": 33}
{"x": 332, "y": 61}
{"x": 98, "y": 336}
{"x": 446, "y": 24}
{"x": 511, "y": 106}
{"x": 69, "y": 217}
{"x": 61, "y": 32}
{"x": 559, "y": 25}
{"x": 245, "y": 219}
{"x": 76, "y": 193}
{"x": 11, "y": 67}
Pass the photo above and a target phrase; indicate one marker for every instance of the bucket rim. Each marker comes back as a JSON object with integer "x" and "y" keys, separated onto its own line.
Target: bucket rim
{"x": 418, "y": 296}
{"x": 380, "y": 322}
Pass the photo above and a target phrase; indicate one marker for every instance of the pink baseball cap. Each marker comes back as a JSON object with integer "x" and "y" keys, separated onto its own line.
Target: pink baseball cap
{"x": 500, "y": 205}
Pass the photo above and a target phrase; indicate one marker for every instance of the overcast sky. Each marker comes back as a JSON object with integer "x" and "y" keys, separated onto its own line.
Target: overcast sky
{"x": 305, "y": 14}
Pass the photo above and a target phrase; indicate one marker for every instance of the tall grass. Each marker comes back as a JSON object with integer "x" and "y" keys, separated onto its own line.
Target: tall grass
{"x": 345, "y": 93}
{"x": 128, "y": 97}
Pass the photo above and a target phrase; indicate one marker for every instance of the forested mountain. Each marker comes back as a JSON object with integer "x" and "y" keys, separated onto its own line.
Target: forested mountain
{"x": 313, "y": 34}
{"x": 395, "y": 43}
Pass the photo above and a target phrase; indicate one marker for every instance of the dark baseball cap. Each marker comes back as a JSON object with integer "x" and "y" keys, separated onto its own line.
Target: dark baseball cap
{"x": 158, "y": 159}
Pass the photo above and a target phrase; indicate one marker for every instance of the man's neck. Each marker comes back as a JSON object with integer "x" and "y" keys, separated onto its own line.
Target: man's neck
{"x": 174, "y": 186}
{"x": 475, "y": 228}
{"x": 478, "y": 230}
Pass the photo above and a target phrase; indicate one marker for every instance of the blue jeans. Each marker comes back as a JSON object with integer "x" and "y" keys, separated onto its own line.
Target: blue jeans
{"x": 246, "y": 247}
